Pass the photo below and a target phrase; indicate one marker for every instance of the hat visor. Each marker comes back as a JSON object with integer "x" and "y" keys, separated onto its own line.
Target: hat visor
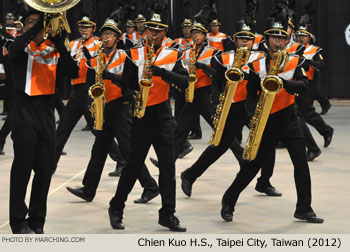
{"x": 199, "y": 28}
{"x": 112, "y": 27}
{"x": 156, "y": 26}
{"x": 246, "y": 35}
{"x": 303, "y": 33}
{"x": 86, "y": 23}
{"x": 276, "y": 32}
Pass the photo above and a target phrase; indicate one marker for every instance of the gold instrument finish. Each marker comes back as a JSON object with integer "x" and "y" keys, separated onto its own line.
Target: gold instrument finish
{"x": 145, "y": 84}
{"x": 55, "y": 20}
{"x": 270, "y": 85}
{"x": 96, "y": 92}
{"x": 234, "y": 76}
{"x": 189, "y": 92}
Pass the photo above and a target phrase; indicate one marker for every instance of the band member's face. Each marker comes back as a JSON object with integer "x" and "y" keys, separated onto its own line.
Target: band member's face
{"x": 139, "y": 26}
{"x": 244, "y": 42}
{"x": 30, "y": 21}
{"x": 158, "y": 34}
{"x": 130, "y": 29}
{"x": 214, "y": 28}
{"x": 303, "y": 39}
{"x": 198, "y": 36}
{"x": 9, "y": 22}
{"x": 277, "y": 43}
{"x": 186, "y": 31}
{"x": 86, "y": 31}
{"x": 109, "y": 38}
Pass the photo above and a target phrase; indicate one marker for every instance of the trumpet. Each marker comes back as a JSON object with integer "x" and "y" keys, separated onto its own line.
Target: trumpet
{"x": 270, "y": 85}
{"x": 233, "y": 75}
{"x": 145, "y": 84}
{"x": 189, "y": 92}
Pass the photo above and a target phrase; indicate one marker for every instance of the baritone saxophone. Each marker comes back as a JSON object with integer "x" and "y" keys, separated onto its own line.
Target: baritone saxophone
{"x": 234, "y": 76}
{"x": 145, "y": 84}
{"x": 270, "y": 85}
{"x": 96, "y": 92}
{"x": 189, "y": 92}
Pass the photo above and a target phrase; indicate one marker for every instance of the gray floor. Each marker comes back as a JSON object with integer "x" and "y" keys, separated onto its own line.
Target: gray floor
{"x": 255, "y": 213}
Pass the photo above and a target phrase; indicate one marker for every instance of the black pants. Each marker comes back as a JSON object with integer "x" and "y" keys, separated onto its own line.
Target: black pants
{"x": 179, "y": 104}
{"x": 203, "y": 106}
{"x": 33, "y": 138}
{"x": 283, "y": 125}
{"x": 156, "y": 129}
{"x": 77, "y": 106}
{"x": 305, "y": 104}
{"x": 233, "y": 128}
{"x": 117, "y": 125}
{"x": 5, "y": 129}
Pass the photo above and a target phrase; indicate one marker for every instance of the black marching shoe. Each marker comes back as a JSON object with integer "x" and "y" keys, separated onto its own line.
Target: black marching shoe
{"x": 115, "y": 218}
{"x": 79, "y": 192}
{"x": 328, "y": 138}
{"x": 2, "y": 149}
{"x": 309, "y": 217}
{"x": 310, "y": 155}
{"x": 38, "y": 230}
{"x": 226, "y": 211}
{"x": 172, "y": 223}
{"x": 185, "y": 150}
{"x": 63, "y": 153}
{"x": 186, "y": 185}
{"x": 118, "y": 170}
{"x": 325, "y": 108}
{"x": 154, "y": 162}
{"x": 146, "y": 196}
{"x": 86, "y": 128}
{"x": 195, "y": 135}
{"x": 269, "y": 190}
{"x": 24, "y": 230}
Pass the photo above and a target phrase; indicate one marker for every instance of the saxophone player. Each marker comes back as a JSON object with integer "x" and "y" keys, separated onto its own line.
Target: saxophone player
{"x": 156, "y": 126}
{"x": 118, "y": 115}
{"x": 282, "y": 123}
{"x": 244, "y": 38}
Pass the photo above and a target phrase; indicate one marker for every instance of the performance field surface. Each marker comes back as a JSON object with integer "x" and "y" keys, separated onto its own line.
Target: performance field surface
{"x": 255, "y": 212}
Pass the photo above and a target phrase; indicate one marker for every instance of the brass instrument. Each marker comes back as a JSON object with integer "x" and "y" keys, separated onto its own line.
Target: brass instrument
{"x": 96, "y": 92}
{"x": 233, "y": 75}
{"x": 55, "y": 21}
{"x": 270, "y": 85}
{"x": 189, "y": 92}
{"x": 80, "y": 52}
{"x": 145, "y": 84}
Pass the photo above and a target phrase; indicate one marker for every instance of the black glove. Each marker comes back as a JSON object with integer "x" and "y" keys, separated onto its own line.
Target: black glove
{"x": 59, "y": 38}
{"x": 157, "y": 71}
{"x": 200, "y": 65}
{"x": 110, "y": 76}
{"x": 128, "y": 94}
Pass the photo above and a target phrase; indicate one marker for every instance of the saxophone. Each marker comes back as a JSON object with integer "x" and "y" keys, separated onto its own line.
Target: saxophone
{"x": 96, "y": 92}
{"x": 234, "y": 76}
{"x": 189, "y": 92}
{"x": 270, "y": 85}
{"x": 145, "y": 84}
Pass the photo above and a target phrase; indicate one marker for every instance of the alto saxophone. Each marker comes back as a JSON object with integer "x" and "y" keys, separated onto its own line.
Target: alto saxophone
{"x": 189, "y": 92}
{"x": 145, "y": 84}
{"x": 234, "y": 76}
{"x": 270, "y": 85}
{"x": 96, "y": 92}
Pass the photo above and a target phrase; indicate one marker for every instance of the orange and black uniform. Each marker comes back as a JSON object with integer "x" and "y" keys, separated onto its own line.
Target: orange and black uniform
{"x": 33, "y": 133}
{"x": 156, "y": 127}
{"x": 283, "y": 124}
{"x": 118, "y": 117}
{"x": 234, "y": 122}
{"x": 216, "y": 40}
{"x": 79, "y": 101}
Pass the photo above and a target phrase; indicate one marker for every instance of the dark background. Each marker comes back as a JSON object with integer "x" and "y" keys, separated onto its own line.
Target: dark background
{"x": 330, "y": 21}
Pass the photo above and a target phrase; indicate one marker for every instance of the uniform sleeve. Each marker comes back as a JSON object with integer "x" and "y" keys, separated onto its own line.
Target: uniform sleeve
{"x": 299, "y": 83}
{"x": 253, "y": 87}
{"x": 219, "y": 77}
{"x": 317, "y": 61}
